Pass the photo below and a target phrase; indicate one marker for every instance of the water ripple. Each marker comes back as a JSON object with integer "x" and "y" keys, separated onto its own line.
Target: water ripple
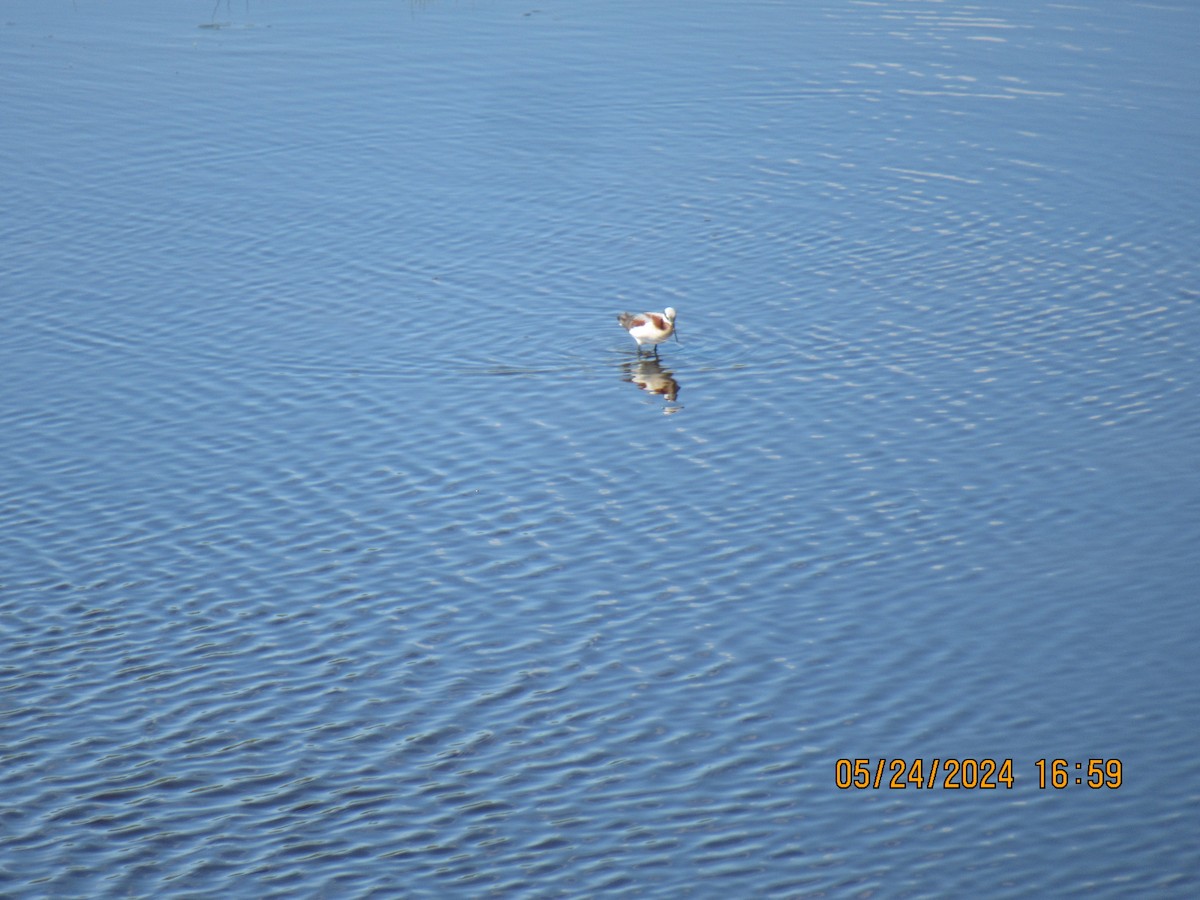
{"x": 346, "y": 547}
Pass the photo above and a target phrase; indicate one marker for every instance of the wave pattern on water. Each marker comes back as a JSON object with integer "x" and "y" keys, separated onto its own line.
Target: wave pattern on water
{"x": 346, "y": 548}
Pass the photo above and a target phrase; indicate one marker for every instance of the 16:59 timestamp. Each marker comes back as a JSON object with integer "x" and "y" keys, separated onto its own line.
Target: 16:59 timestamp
{"x": 973, "y": 774}
{"x": 1059, "y": 773}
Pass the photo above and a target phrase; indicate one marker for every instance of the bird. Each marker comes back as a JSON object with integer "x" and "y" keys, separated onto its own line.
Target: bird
{"x": 649, "y": 328}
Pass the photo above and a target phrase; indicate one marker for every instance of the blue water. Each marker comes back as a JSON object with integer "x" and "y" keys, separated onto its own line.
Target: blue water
{"x": 347, "y": 548}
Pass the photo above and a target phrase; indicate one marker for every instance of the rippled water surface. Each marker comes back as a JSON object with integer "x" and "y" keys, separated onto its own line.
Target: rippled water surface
{"x": 347, "y": 547}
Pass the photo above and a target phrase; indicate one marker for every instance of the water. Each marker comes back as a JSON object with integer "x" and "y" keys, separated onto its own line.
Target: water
{"x": 347, "y": 549}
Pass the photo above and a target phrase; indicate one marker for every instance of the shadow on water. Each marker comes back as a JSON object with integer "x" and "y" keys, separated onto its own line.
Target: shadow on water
{"x": 649, "y": 374}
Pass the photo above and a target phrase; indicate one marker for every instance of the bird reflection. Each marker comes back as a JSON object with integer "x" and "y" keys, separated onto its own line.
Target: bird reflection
{"x": 649, "y": 375}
